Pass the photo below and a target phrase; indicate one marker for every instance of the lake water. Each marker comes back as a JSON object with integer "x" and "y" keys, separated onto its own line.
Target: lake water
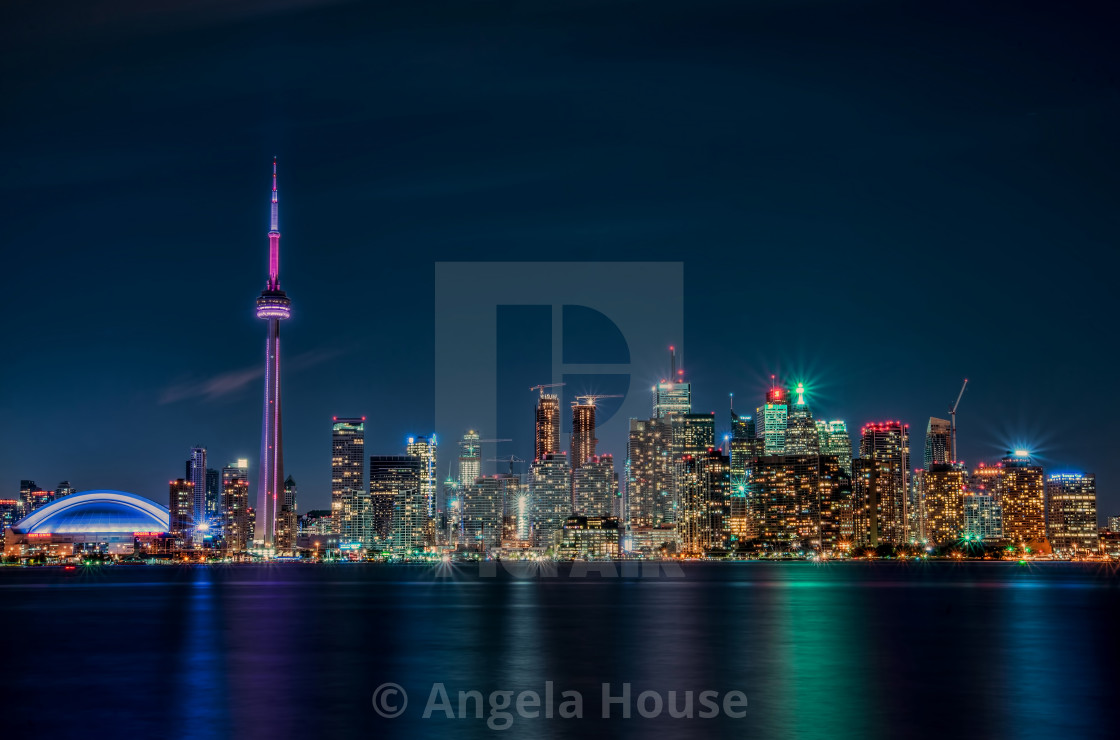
{"x": 841, "y": 650}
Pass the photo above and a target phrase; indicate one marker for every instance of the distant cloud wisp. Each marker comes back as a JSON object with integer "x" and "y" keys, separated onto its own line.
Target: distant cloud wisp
{"x": 232, "y": 381}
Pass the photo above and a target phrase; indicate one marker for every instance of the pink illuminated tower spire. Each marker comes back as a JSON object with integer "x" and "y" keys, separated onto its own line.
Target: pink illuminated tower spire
{"x": 273, "y": 306}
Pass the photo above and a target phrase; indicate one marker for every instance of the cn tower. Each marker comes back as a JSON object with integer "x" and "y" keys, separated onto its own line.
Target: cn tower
{"x": 273, "y": 306}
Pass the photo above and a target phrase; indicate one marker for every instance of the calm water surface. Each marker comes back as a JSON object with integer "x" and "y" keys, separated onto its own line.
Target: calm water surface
{"x": 846, "y": 650}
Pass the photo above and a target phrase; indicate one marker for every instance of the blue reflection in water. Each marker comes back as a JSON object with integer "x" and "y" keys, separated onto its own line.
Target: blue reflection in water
{"x": 200, "y": 707}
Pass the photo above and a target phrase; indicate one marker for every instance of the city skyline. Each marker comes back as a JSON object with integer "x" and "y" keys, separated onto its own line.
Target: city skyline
{"x": 803, "y": 244}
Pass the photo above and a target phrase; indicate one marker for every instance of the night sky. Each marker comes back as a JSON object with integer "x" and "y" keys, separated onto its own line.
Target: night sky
{"x": 880, "y": 198}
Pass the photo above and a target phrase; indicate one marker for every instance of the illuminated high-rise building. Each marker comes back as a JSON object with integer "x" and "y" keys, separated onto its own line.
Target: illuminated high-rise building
{"x": 771, "y": 420}
{"x": 944, "y": 488}
{"x": 26, "y": 486}
{"x": 409, "y": 523}
{"x": 772, "y": 502}
{"x": 835, "y": 517}
{"x": 918, "y": 515}
{"x": 872, "y": 485}
{"x": 583, "y": 433}
{"x": 801, "y": 431}
{"x": 453, "y": 511}
{"x": 1023, "y": 498}
{"x": 987, "y": 480}
{"x": 649, "y": 483}
{"x": 693, "y": 434}
{"x": 180, "y": 504}
{"x": 833, "y": 440}
{"x": 196, "y": 474}
{"x": 485, "y": 504}
{"x": 64, "y": 489}
{"x": 704, "y": 496}
{"x": 425, "y": 449}
{"x": 273, "y": 306}
{"x": 214, "y": 498}
{"x": 982, "y": 516}
{"x": 1071, "y": 513}
{"x": 672, "y": 395}
{"x": 235, "y": 506}
{"x": 10, "y": 509}
{"x": 547, "y": 437}
{"x": 470, "y": 458}
{"x": 550, "y": 487}
{"x": 938, "y": 442}
{"x": 393, "y": 479}
{"x": 742, "y": 445}
{"x": 351, "y": 510}
{"x": 595, "y": 488}
{"x": 889, "y": 443}
{"x": 287, "y": 518}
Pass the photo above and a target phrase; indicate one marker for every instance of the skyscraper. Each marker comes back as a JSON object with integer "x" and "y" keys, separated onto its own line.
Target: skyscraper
{"x": 470, "y": 458}
{"x": 273, "y": 306}
{"x": 944, "y": 488}
{"x": 583, "y": 432}
{"x": 693, "y": 434}
{"x": 771, "y": 420}
{"x": 871, "y": 483}
{"x": 938, "y": 442}
{"x": 834, "y": 440}
{"x": 1023, "y": 499}
{"x": 485, "y": 503}
{"x": 801, "y": 432}
{"x": 836, "y": 525}
{"x": 742, "y": 450}
{"x": 402, "y": 477}
{"x": 286, "y": 519}
{"x": 672, "y": 395}
{"x": 214, "y": 498}
{"x": 704, "y": 502}
{"x": 550, "y": 487}
{"x": 649, "y": 483}
{"x": 180, "y": 504}
{"x": 983, "y": 517}
{"x": 196, "y": 468}
{"x": 889, "y": 443}
{"x": 595, "y": 487}
{"x": 425, "y": 449}
{"x": 547, "y": 438}
{"x": 1071, "y": 513}
{"x": 390, "y": 477}
{"x": 235, "y": 506}
{"x": 351, "y": 514}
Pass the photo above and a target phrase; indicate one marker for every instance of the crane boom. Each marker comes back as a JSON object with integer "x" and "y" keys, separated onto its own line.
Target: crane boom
{"x": 953, "y": 424}
{"x": 542, "y": 386}
{"x": 593, "y": 397}
{"x": 958, "y": 403}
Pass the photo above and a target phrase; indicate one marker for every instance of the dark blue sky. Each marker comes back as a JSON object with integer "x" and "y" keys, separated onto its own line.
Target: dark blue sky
{"x": 880, "y": 197}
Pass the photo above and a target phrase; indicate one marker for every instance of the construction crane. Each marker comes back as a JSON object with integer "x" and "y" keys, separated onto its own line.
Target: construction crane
{"x": 953, "y": 424}
{"x": 511, "y": 460}
{"x": 546, "y": 385}
{"x": 593, "y": 397}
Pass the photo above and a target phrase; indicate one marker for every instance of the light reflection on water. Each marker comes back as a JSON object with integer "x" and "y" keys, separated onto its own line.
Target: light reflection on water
{"x": 857, "y": 650}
